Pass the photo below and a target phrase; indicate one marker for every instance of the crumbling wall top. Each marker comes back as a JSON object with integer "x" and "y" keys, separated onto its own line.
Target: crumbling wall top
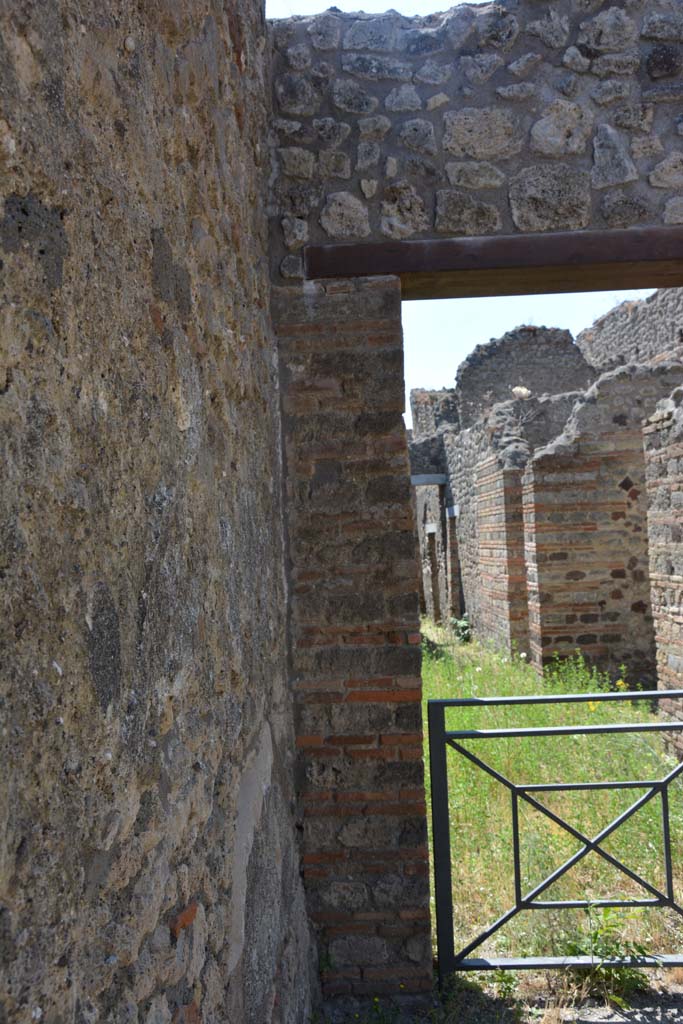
{"x": 432, "y": 410}
{"x": 537, "y": 360}
{"x": 637, "y": 332}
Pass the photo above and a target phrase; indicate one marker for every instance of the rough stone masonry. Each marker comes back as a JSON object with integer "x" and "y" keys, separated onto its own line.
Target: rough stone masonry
{"x": 484, "y": 120}
{"x": 209, "y": 591}
{"x": 149, "y": 863}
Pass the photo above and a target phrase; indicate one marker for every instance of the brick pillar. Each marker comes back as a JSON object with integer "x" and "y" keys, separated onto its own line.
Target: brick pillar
{"x": 503, "y": 607}
{"x": 663, "y": 439}
{"x": 355, "y": 643}
{"x": 455, "y": 599}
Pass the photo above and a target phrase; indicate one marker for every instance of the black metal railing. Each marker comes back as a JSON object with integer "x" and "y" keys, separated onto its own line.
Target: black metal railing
{"x": 440, "y": 739}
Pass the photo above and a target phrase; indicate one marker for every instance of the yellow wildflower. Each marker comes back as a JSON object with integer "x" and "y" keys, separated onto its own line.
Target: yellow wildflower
{"x": 593, "y": 705}
{"x": 621, "y": 684}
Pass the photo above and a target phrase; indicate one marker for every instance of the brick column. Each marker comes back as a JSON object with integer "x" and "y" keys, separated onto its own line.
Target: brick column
{"x": 503, "y": 608}
{"x": 455, "y": 602}
{"x": 355, "y": 643}
{"x": 663, "y": 438}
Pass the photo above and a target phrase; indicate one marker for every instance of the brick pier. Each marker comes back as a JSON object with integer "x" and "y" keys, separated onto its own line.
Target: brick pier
{"x": 355, "y": 643}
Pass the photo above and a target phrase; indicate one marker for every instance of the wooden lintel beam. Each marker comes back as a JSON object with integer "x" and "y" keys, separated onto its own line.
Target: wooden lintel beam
{"x": 570, "y": 261}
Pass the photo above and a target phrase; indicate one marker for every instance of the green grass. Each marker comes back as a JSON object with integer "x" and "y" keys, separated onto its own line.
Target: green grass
{"x": 480, "y": 811}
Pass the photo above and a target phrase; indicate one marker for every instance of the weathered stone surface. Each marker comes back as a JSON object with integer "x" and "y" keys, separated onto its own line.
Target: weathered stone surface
{"x": 575, "y": 60}
{"x": 497, "y": 27}
{"x": 295, "y": 94}
{"x": 458, "y": 213}
{"x": 481, "y": 132}
{"x": 373, "y": 67}
{"x": 403, "y": 98}
{"x": 368, "y": 155}
{"x": 568, "y": 85}
{"x": 664, "y": 62}
{"x": 350, "y": 96}
{"x": 432, "y": 73}
{"x": 324, "y": 32}
{"x": 418, "y": 135}
{"x": 623, "y": 209}
{"x": 610, "y": 31}
{"x": 296, "y": 162}
{"x": 644, "y": 147}
{"x": 673, "y": 211}
{"x": 292, "y": 267}
{"x": 550, "y": 198}
{"x": 377, "y": 34}
{"x": 419, "y": 42}
{"x": 553, "y": 29}
{"x": 374, "y": 127}
{"x": 524, "y": 64}
{"x": 147, "y": 729}
{"x": 474, "y": 174}
{"x": 666, "y": 26}
{"x": 295, "y": 231}
{"x": 611, "y": 91}
{"x": 635, "y": 117}
{"x": 616, "y": 64}
{"x": 298, "y": 57}
{"x": 481, "y": 67}
{"x": 518, "y": 93}
{"x": 441, "y": 99}
{"x": 672, "y": 92}
{"x": 612, "y": 164}
{"x": 345, "y": 216}
{"x": 403, "y": 211}
{"x": 333, "y": 164}
{"x": 330, "y": 132}
{"x": 668, "y": 173}
{"x": 564, "y": 128}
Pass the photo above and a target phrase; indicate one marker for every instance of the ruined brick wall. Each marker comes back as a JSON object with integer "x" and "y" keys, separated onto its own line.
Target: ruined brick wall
{"x": 663, "y": 436}
{"x": 487, "y": 120}
{"x": 482, "y": 490}
{"x": 431, "y": 410}
{"x": 585, "y": 510}
{"x": 355, "y": 642}
{"x": 149, "y": 867}
{"x": 637, "y": 332}
{"x": 544, "y": 360}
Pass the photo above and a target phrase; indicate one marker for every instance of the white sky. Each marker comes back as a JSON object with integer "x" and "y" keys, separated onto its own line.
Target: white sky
{"x": 439, "y": 334}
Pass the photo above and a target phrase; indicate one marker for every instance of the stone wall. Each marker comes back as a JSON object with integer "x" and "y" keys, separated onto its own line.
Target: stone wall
{"x": 432, "y": 410}
{"x": 355, "y": 642}
{"x": 585, "y": 510}
{"x": 664, "y": 471}
{"x": 149, "y": 869}
{"x": 501, "y": 118}
{"x": 544, "y": 361}
{"x": 637, "y": 332}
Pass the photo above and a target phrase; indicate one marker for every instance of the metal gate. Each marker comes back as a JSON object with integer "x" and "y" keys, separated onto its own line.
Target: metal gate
{"x": 440, "y": 739}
